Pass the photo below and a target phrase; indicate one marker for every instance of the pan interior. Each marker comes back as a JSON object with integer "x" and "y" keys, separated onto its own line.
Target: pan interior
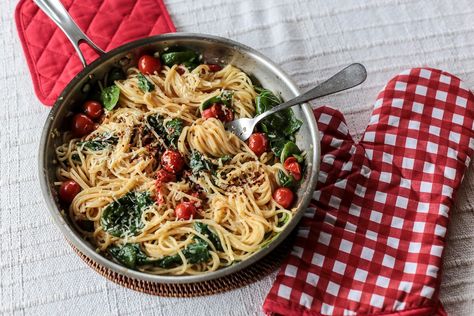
{"x": 214, "y": 50}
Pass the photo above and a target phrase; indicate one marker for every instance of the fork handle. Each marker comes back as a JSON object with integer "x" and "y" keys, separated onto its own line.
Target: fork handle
{"x": 348, "y": 77}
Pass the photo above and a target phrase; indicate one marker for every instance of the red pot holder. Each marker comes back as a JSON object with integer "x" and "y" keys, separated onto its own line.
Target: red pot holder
{"x": 372, "y": 240}
{"x": 109, "y": 23}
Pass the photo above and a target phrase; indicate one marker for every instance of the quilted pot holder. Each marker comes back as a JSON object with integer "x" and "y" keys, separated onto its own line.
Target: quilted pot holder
{"x": 372, "y": 240}
{"x": 109, "y": 23}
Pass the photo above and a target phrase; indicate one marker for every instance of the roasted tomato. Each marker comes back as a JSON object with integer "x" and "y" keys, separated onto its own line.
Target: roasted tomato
{"x": 284, "y": 197}
{"x": 172, "y": 161}
{"x": 68, "y": 190}
{"x": 185, "y": 210}
{"x": 258, "y": 143}
{"x": 149, "y": 65}
{"x": 292, "y": 165}
{"x": 93, "y": 109}
{"x": 82, "y": 125}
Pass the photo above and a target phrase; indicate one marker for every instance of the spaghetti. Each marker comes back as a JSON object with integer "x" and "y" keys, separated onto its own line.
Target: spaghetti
{"x": 129, "y": 213}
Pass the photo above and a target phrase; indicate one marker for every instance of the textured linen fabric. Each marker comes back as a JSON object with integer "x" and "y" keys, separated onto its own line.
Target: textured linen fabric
{"x": 40, "y": 274}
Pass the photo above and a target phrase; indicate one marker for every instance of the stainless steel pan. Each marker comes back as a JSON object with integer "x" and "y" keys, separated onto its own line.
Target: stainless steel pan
{"x": 213, "y": 49}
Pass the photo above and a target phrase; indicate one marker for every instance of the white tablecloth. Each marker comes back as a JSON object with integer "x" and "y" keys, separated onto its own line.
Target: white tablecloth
{"x": 311, "y": 40}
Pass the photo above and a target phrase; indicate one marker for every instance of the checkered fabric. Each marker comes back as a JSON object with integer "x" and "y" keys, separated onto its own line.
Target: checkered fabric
{"x": 372, "y": 240}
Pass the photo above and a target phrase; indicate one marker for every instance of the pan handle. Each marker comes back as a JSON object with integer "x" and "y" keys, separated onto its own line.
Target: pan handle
{"x": 56, "y": 12}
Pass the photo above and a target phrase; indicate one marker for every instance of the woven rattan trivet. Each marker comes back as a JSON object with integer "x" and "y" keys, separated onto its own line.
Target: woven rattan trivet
{"x": 244, "y": 277}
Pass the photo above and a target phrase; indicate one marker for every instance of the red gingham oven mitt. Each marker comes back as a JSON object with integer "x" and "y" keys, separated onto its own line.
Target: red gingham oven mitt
{"x": 371, "y": 242}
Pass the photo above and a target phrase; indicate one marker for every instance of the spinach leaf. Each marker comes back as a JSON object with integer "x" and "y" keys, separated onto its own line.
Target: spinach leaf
{"x": 286, "y": 181}
{"x": 99, "y": 143}
{"x": 169, "y": 132}
{"x": 174, "y": 129}
{"x": 224, "y": 98}
{"x": 127, "y": 254}
{"x": 131, "y": 256}
{"x": 156, "y": 122}
{"x": 280, "y": 126}
{"x": 204, "y": 229}
{"x": 197, "y": 252}
{"x": 289, "y": 149}
{"x": 199, "y": 163}
{"x": 123, "y": 217}
{"x": 110, "y": 96}
{"x": 179, "y": 56}
{"x": 144, "y": 84}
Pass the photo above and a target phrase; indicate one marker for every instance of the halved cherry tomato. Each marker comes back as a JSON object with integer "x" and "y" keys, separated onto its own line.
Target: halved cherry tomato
{"x": 258, "y": 143}
{"x": 185, "y": 210}
{"x": 93, "y": 109}
{"x": 148, "y": 64}
{"x": 228, "y": 115}
{"x": 164, "y": 176}
{"x": 284, "y": 197}
{"x": 215, "y": 111}
{"x": 68, "y": 190}
{"x": 81, "y": 125}
{"x": 214, "y": 67}
{"x": 172, "y": 161}
{"x": 292, "y": 165}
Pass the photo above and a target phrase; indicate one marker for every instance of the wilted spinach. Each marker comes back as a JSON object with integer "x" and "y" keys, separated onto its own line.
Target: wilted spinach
{"x": 204, "y": 229}
{"x": 287, "y": 181}
{"x": 99, "y": 143}
{"x": 144, "y": 84}
{"x": 199, "y": 163}
{"x": 123, "y": 217}
{"x": 132, "y": 256}
{"x": 224, "y": 98}
{"x": 179, "y": 55}
{"x": 173, "y": 130}
{"x": 279, "y": 127}
{"x": 169, "y": 132}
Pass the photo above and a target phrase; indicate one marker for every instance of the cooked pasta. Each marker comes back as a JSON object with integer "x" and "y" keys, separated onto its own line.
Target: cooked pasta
{"x": 130, "y": 204}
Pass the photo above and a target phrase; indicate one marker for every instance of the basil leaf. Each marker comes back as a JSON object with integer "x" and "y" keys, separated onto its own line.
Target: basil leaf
{"x": 144, "y": 84}
{"x": 204, "y": 229}
{"x": 197, "y": 252}
{"x": 187, "y": 57}
{"x": 110, "y": 96}
{"x": 123, "y": 217}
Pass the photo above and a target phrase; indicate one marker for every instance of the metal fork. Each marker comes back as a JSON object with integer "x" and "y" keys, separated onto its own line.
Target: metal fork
{"x": 348, "y": 77}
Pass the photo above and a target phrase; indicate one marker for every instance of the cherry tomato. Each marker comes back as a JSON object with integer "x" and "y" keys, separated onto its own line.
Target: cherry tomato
{"x": 214, "y": 67}
{"x": 184, "y": 210}
{"x": 228, "y": 115}
{"x": 258, "y": 143}
{"x": 93, "y": 109}
{"x": 148, "y": 64}
{"x": 180, "y": 70}
{"x": 81, "y": 125}
{"x": 172, "y": 161}
{"x": 292, "y": 165}
{"x": 68, "y": 190}
{"x": 163, "y": 176}
{"x": 215, "y": 111}
{"x": 284, "y": 197}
